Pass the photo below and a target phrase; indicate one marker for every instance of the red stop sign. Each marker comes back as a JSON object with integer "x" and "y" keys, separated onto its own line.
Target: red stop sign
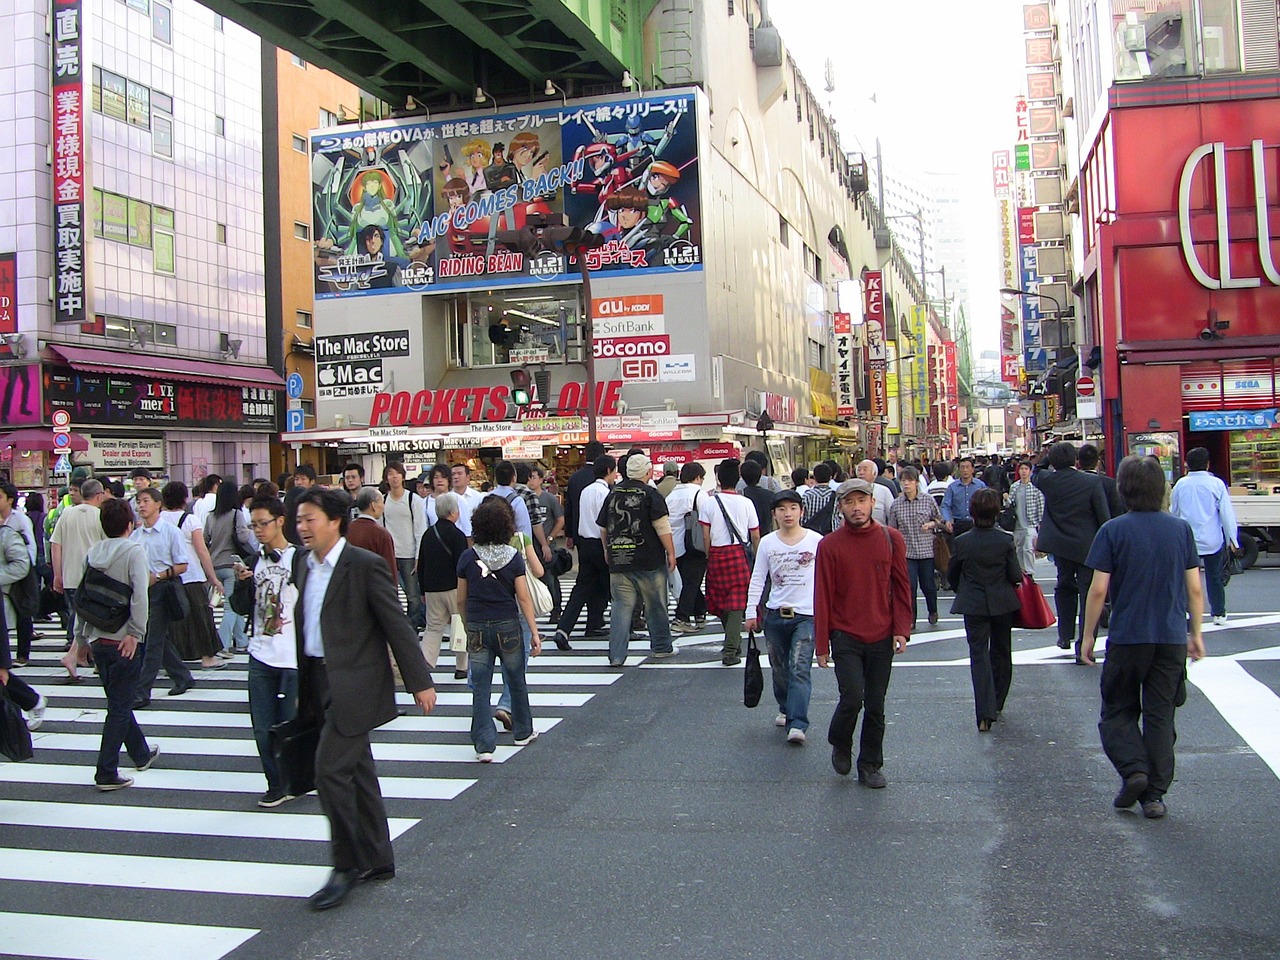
{"x": 1085, "y": 387}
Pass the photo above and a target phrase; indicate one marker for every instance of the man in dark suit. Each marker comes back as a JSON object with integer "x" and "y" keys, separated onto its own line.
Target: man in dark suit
{"x": 582, "y": 478}
{"x": 1075, "y": 506}
{"x": 1089, "y": 457}
{"x": 347, "y": 615}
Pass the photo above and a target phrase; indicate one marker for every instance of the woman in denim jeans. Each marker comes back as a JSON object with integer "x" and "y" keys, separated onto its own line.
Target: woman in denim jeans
{"x": 493, "y": 594}
{"x": 525, "y": 545}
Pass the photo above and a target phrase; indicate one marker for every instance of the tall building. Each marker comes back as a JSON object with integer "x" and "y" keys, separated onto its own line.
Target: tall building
{"x": 132, "y": 231}
{"x": 1175, "y": 112}
{"x": 935, "y": 196}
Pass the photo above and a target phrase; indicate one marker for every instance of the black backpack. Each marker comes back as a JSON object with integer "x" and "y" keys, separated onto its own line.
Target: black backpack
{"x": 821, "y": 520}
{"x": 102, "y": 600}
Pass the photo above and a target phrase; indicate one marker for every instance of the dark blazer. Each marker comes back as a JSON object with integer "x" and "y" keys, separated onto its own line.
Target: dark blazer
{"x": 582, "y": 478}
{"x": 983, "y": 572}
{"x": 1114, "y": 504}
{"x": 361, "y": 617}
{"x": 1075, "y": 506}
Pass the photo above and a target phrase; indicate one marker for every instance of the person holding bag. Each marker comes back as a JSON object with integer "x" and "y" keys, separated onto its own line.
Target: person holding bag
{"x": 14, "y": 563}
{"x": 984, "y": 573}
{"x": 724, "y": 515}
{"x": 541, "y": 599}
{"x": 442, "y": 547}
{"x": 493, "y": 593}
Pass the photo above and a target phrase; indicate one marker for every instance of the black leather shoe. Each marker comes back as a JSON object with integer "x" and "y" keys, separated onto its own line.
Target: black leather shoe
{"x": 385, "y": 872}
{"x": 141, "y": 703}
{"x": 871, "y": 777}
{"x": 1064, "y": 644}
{"x": 842, "y": 759}
{"x": 334, "y": 891}
{"x": 1133, "y": 787}
{"x": 180, "y": 688}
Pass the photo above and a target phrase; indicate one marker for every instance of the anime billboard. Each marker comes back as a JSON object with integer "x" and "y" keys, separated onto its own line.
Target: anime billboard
{"x": 444, "y": 204}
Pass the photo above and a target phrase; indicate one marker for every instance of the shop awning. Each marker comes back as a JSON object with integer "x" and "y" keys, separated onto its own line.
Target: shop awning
{"x": 36, "y": 438}
{"x": 90, "y": 360}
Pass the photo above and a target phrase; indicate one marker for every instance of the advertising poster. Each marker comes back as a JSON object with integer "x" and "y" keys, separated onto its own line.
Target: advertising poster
{"x": 8, "y": 293}
{"x": 920, "y": 364}
{"x": 846, "y": 398}
{"x": 101, "y": 399}
{"x": 448, "y": 204}
{"x": 162, "y": 249}
{"x": 351, "y": 365}
{"x": 115, "y": 217}
{"x": 139, "y": 223}
{"x": 20, "y": 394}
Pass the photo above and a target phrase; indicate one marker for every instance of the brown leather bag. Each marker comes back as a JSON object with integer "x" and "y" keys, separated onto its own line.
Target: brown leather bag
{"x": 941, "y": 555}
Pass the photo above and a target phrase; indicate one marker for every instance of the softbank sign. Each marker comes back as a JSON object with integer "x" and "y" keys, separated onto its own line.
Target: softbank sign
{"x": 1224, "y": 280}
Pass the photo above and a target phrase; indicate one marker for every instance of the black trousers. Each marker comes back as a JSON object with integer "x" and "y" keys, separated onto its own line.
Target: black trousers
{"x": 590, "y": 590}
{"x": 692, "y": 602}
{"x": 990, "y": 661}
{"x": 347, "y": 784}
{"x": 1069, "y": 595}
{"x": 159, "y": 651}
{"x": 1141, "y": 681}
{"x": 862, "y": 674}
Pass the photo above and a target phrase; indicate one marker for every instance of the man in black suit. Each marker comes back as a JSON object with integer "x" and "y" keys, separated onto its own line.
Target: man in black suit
{"x": 582, "y": 478}
{"x": 1075, "y": 506}
{"x": 347, "y": 614}
{"x": 1089, "y": 457}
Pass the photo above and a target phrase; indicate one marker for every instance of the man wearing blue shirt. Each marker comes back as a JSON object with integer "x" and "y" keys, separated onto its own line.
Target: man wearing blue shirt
{"x": 1201, "y": 499}
{"x": 166, "y": 562}
{"x": 504, "y": 478}
{"x": 955, "y": 502}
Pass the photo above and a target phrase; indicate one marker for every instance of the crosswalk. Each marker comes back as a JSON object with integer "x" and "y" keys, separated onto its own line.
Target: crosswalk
{"x": 170, "y": 832}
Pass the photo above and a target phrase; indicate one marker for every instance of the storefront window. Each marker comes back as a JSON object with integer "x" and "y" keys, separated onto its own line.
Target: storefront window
{"x": 1255, "y": 457}
{"x": 1219, "y": 36}
{"x": 1154, "y": 40}
{"x": 503, "y": 328}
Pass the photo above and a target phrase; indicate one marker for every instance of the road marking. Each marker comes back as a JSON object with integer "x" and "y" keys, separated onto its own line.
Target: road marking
{"x": 241, "y": 721}
{"x": 178, "y": 820}
{"x": 220, "y": 781}
{"x": 162, "y": 873}
{"x": 1248, "y": 705}
{"x": 89, "y": 691}
{"x": 225, "y": 747}
{"x": 534, "y": 678}
{"x": 86, "y": 938}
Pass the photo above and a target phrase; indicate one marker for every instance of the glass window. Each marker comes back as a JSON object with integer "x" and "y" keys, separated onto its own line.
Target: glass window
{"x": 142, "y": 6}
{"x": 220, "y": 126}
{"x": 308, "y": 407}
{"x": 118, "y": 328}
{"x": 139, "y": 223}
{"x": 302, "y": 318}
{"x": 162, "y": 217}
{"x": 217, "y": 22}
{"x": 300, "y": 143}
{"x": 220, "y": 232}
{"x": 97, "y": 89}
{"x": 515, "y": 327}
{"x": 139, "y": 106}
{"x": 166, "y": 333}
{"x": 162, "y": 23}
{"x": 161, "y": 102}
{"x": 114, "y": 95}
{"x": 298, "y": 61}
{"x": 115, "y": 217}
{"x": 162, "y": 136}
{"x": 328, "y": 118}
{"x": 162, "y": 252}
{"x": 301, "y": 230}
{"x": 96, "y": 212}
{"x": 784, "y": 231}
{"x": 1219, "y": 36}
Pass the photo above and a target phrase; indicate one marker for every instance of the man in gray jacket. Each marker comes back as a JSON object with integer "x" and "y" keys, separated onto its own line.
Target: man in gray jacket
{"x": 115, "y": 652}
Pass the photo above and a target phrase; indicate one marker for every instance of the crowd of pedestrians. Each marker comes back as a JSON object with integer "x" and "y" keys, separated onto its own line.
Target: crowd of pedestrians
{"x": 827, "y": 568}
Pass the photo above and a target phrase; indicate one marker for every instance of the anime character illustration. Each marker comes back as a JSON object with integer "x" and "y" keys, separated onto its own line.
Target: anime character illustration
{"x": 476, "y": 155}
{"x": 639, "y": 146}
{"x": 362, "y": 186}
{"x": 501, "y": 173}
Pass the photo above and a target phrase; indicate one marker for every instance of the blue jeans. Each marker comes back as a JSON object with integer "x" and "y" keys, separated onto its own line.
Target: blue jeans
{"x": 490, "y": 641}
{"x": 504, "y": 698}
{"x": 231, "y": 629}
{"x": 409, "y": 583}
{"x": 921, "y": 572}
{"x": 790, "y": 645}
{"x": 1214, "y": 587}
{"x": 119, "y": 677}
{"x": 650, "y": 587}
{"x": 273, "y": 698}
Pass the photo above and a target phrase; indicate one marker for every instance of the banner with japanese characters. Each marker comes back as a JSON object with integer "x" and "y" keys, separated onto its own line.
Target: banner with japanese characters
{"x": 453, "y": 204}
{"x": 846, "y": 396}
{"x": 67, "y": 63}
{"x": 875, "y": 349}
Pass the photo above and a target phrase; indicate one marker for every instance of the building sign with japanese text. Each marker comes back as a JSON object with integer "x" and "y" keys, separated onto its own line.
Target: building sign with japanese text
{"x": 846, "y": 402}
{"x": 70, "y": 275}
{"x": 453, "y": 204}
{"x": 102, "y": 399}
{"x": 920, "y": 363}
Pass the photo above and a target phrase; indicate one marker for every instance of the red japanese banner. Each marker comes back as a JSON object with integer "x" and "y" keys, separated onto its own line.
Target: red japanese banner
{"x": 952, "y": 385}
{"x": 68, "y": 162}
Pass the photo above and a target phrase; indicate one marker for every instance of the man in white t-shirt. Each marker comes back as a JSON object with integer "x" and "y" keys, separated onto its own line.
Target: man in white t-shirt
{"x": 729, "y": 522}
{"x": 273, "y": 652}
{"x": 405, "y": 517}
{"x": 461, "y": 476}
{"x": 786, "y": 558}
{"x": 204, "y": 506}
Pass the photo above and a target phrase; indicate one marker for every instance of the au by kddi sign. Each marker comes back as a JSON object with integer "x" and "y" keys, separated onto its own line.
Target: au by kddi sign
{"x": 1224, "y": 280}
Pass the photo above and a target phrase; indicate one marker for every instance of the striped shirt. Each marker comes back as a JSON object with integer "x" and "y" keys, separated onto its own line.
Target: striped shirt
{"x": 908, "y": 516}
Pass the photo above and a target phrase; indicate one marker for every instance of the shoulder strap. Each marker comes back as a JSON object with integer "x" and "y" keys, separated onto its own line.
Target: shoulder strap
{"x": 732, "y": 529}
{"x": 436, "y": 530}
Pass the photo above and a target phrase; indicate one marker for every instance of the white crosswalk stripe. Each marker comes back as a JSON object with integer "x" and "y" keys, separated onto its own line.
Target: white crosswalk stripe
{"x": 203, "y": 790}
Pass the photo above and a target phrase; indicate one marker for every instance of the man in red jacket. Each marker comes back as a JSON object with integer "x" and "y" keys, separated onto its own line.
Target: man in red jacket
{"x": 862, "y": 617}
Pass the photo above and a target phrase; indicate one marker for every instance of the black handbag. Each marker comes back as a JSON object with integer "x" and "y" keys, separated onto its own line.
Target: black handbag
{"x": 1008, "y": 520}
{"x": 102, "y": 600}
{"x": 752, "y": 674}
{"x": 15, "y": 738}
{"x": 293, "y": 744}
{"x": 242, "y": 596}
{"x": 174, "y": 597}
{"x": 1233, "y": 566}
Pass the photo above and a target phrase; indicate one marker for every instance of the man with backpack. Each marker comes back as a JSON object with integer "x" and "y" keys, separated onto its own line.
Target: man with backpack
{"x": 818, "y": 501}
{"x": 404, "y": 514}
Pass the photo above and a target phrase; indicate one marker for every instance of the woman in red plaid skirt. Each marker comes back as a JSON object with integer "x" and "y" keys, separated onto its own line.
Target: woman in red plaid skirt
{"x": 732, "y": 524}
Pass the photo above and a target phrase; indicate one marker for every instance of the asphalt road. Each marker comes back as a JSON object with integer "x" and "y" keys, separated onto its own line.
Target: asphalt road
{"x": 660, "y": 818}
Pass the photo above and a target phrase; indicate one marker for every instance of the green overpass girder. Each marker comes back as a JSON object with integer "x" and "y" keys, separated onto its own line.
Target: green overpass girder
{"x": 439, "y": 51}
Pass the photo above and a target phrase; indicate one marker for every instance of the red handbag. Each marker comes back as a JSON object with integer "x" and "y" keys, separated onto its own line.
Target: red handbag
{"x": 1034, "y": 612}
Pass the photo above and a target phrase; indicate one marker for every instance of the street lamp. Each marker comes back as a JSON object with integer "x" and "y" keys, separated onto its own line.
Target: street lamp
{"x": 1019, "y": 292}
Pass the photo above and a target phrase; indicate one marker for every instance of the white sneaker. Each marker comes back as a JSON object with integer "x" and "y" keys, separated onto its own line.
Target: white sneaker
{"x": 780, "y": 720}
{"x": 795, "y": 736}
{"x": 1220, "y": 620}
{"x": 533, "y": 735}
{"x": 35, "y": 717}
{"x": 485, "y": 757}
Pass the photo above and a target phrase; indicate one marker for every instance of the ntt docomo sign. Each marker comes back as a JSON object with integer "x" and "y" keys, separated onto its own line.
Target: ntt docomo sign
{"x": 473, "y": 404}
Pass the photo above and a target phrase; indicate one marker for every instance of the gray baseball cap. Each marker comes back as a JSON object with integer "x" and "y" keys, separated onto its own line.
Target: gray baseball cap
{"x": 856, "y": 485}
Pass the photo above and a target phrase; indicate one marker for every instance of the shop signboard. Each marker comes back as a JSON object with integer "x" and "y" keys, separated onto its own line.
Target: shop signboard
{"x": 920, "y": 332}
{"x": 109, "y": 453}
{"x": 351, "y": 365}
{"x": 101, "y": 399}
{"x": 410, "y": 206}
{"x": 482, "y": 408}
{"x": 1001, "y": 171}
{"x": 1009, "y": 368}
{"x": 640, "y": 316}
{"x": 69, "y": 242}
{"x": 1232, "y": 419}
{"x": 842, "y": 330}
{"x": 952, "y": 385}
{"x": 621, "y": 347}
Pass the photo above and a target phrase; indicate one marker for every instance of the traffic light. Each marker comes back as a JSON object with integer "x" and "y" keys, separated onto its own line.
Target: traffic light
{"x": 520, "y": 387}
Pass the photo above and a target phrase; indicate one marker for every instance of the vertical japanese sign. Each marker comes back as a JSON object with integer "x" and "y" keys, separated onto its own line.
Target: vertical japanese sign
{"x": 8, "y": 293}
{"x": 1000, "y": 172}
{"x": 951, "y": 372}
{"x": 920, "y": 363}
{"x": 876, "y": 351}
{"x": 842, "y": 327}
{"x": 68, "y": 162}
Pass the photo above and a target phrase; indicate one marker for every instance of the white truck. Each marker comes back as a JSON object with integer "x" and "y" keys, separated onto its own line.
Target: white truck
{"x": 1258, "y": 521}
